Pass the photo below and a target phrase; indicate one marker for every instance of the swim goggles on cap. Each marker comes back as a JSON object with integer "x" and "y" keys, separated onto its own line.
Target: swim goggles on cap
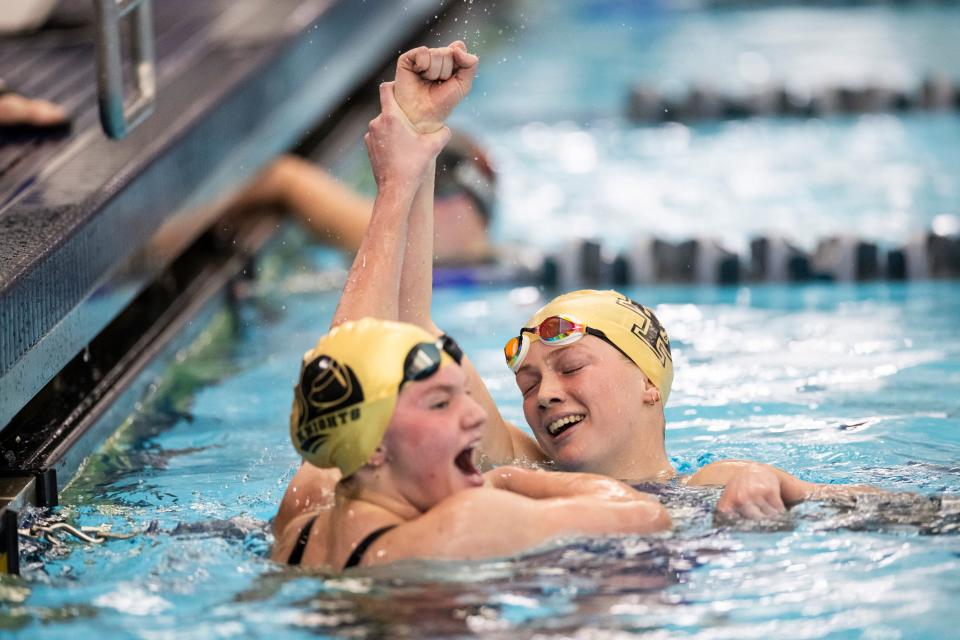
{"x": 554, "y": 331}
{"x": 424, "y": 358}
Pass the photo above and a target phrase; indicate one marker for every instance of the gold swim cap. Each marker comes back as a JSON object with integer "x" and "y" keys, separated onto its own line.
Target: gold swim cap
{"x": 348, "y": 389}
{"x": 632, "y": 327}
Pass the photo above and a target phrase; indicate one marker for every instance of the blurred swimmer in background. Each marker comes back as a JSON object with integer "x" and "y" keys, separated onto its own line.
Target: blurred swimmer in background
{"x": 464, "y": 202}
{"x": 383, "y": 405}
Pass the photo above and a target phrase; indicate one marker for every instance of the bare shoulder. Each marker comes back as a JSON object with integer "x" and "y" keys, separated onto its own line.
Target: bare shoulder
{"x": 310, "y": 489}
{"x": 318, "y": 523}
{"x": 287, "y": 537}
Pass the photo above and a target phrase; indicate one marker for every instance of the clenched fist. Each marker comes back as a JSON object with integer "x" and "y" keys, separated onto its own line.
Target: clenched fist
{"x": 431, "y": 82}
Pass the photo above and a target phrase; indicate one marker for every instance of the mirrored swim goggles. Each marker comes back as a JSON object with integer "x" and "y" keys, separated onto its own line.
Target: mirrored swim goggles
{"x": 424, "y": 359}
{"x": 553, "y": 331}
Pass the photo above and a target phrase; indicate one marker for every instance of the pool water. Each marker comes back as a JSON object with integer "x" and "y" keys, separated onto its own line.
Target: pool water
{"x": 548, "y": 60}
{"x": 552, "y": 91}
{"x": 834, "y": 383}
{"x": 801, "y": 179}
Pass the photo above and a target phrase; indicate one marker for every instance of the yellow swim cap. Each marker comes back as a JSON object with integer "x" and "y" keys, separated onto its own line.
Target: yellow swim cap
{"x": 348, "y": 389}
{"x": 632, "y": 327}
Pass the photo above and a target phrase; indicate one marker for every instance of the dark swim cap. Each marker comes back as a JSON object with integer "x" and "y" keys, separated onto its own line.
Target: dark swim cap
{"x": 464, "y": 166}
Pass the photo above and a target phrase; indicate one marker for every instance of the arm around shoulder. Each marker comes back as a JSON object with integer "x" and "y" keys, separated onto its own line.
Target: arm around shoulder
{"x": 792, "y": 489}
{"x": 487, "y": 523}
{"x": 755, "y": 490}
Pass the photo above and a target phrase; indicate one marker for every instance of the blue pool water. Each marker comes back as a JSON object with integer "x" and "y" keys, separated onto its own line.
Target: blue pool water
{"x": 551, "y": 96}
{"x": 556, "y": 60}
{"x": 835, "y": 383}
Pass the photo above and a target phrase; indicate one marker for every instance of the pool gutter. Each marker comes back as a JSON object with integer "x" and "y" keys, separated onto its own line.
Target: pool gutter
{"x": 41, "y": 446}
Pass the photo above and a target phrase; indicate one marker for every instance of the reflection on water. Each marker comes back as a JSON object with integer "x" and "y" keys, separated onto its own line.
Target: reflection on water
{"x": 881, "y": 177}
{"x": 200, "y": 489}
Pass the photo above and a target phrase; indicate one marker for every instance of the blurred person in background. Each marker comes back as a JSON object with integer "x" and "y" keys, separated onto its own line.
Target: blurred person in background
{"x": 17, "y": 110}
{"x": 337, "y": 215}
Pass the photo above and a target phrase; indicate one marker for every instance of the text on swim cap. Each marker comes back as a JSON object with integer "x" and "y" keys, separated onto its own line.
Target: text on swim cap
{"x": 311, "y": 434}
{"x": 327, "y": 396}
{"x": 649, "y": 329}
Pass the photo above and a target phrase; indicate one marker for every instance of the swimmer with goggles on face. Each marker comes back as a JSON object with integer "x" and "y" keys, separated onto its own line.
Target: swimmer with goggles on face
{"x": 553, "y": 330}
{"x": 594, "y": 367}
{"x": 385, "y": 414}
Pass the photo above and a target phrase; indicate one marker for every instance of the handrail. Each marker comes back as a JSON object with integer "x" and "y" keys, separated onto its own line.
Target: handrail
{"x": 117, "y": 117}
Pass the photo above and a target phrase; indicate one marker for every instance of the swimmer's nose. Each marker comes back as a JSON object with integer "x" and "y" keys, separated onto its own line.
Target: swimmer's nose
{"x": 550, "y": 392}
{"x": 475, "y": 417}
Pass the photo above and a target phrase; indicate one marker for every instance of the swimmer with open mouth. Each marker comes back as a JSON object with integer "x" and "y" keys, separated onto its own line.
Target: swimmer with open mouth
{"x": 595, "y": 369}
{"x": 384, "y": 415}
{"x": 387, "y": 405}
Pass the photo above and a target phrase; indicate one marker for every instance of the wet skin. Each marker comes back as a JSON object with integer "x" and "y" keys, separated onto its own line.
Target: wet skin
{"x": 592, "y": 380}
{"x": 434, "y": 422}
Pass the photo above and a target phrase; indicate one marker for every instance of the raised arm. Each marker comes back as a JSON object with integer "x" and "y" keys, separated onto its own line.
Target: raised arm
{"x": 755, "y": 490}
{"x": 400, "y": 158}
{"x": 430, "y": 83}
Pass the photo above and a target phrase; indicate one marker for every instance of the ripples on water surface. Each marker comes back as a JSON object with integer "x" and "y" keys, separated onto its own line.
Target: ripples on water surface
{"x": 833, "y": 383}
{"x": 552, "y": 92}
{"x": 576, "y": 59}
{"x": 804, "y": 179}
{"x": 836, "y": 384}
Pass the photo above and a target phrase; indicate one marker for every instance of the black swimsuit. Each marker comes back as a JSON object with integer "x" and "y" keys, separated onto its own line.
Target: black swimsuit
{"x": 297, "y": 554}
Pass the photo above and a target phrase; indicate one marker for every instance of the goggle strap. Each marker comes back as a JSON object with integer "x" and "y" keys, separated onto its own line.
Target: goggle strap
{"x": 453, "y": 350}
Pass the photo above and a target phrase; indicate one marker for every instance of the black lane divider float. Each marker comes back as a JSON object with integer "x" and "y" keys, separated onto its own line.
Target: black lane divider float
{"x": 938, "y": 92}
{"x": 586, "y": 263}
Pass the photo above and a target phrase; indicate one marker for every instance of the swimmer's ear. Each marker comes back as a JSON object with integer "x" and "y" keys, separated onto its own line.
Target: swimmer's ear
{"x": 650, "y": 395}
{"x": 378, "y": 458}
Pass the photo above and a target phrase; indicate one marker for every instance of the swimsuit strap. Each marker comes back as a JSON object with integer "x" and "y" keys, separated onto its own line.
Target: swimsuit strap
{"x": 297, "y": 554}
{"x": 361, "y": 548}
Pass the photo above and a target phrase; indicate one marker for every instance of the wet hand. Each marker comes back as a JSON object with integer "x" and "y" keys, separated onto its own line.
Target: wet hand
{"x": 399, "y": 154}
{"x": 431, "y": 82}
{"x": 752, "y": 493}
{"x": 500, "y": 477}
